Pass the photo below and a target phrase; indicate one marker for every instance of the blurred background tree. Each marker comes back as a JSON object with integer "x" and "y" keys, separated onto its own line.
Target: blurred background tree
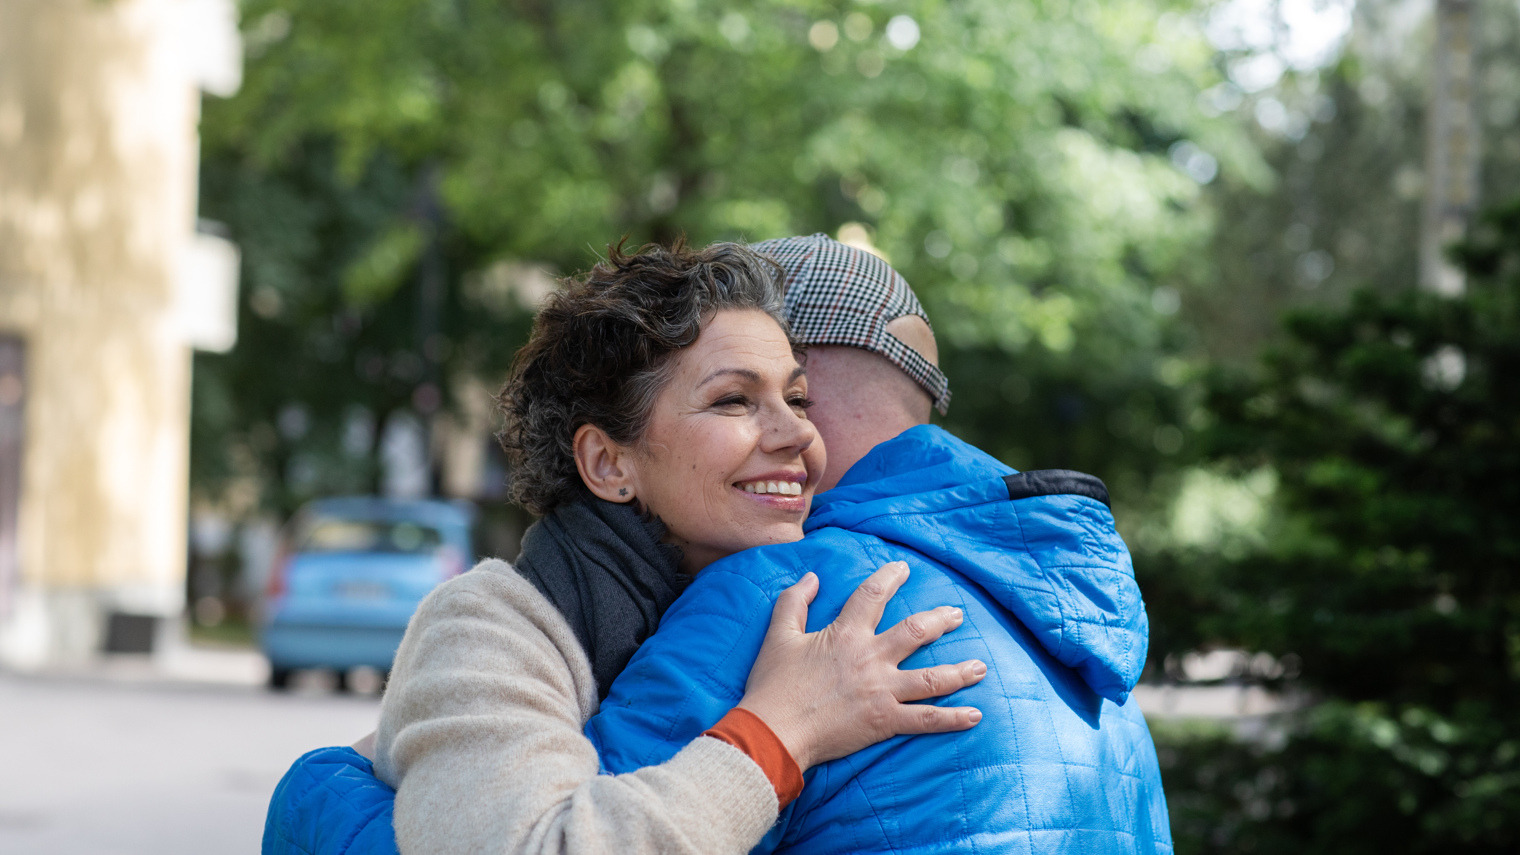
{"x": 1337, "y": 514}
{"x": 390, "y": 169}
{"x": 1342, "y": 126}
{"x": 1390, "y": 576}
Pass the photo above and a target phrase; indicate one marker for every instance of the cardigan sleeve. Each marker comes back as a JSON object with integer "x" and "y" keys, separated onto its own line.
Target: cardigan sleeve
{"x": 480, "y": 733}
{"x": 749, "y": 733}
{"x": 693, "y": 670}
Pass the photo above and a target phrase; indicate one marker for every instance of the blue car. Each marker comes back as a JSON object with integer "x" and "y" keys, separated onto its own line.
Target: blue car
{"x": 350, "y": 574}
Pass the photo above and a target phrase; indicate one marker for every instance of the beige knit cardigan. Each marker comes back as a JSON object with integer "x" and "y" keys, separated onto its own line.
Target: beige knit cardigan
{"x": 481, "y": 735}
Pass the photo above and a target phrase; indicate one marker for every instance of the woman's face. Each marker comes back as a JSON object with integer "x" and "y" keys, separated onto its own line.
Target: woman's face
{"x": 729, "y": 459}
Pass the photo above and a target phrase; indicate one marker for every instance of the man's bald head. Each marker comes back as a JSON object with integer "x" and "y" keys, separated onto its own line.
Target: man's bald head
{"x": 873, "y": 366}
{"x": 861, "y": 399}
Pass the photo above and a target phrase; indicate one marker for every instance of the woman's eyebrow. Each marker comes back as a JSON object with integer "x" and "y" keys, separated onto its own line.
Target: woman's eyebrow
{"x": 748, "y": 374}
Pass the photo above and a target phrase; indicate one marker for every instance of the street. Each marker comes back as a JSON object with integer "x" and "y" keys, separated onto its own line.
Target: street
{"x": 181, "y": 755}
{"x": 133, "y": 765}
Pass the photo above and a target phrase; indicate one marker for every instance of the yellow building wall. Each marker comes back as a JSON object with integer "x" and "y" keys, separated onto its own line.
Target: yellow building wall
{"x": 98, "y": 159}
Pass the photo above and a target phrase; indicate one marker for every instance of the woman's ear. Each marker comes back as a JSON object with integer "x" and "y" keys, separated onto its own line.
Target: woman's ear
{"x": 605, "y": 467}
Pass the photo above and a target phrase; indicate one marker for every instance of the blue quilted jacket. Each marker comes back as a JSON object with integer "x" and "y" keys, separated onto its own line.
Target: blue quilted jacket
{"x": 1062, "y": 760}
{"x": 331, "y": 803}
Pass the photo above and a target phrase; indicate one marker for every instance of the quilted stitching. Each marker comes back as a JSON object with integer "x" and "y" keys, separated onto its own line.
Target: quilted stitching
{"x": 330, "y": 802}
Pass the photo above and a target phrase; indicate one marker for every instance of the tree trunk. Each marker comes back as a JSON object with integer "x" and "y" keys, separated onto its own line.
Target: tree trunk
{"x": 1451, "y": 145}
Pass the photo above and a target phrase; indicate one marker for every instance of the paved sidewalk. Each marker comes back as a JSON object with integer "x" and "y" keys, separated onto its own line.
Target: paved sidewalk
{"x": 177, "y": 754}
{"x": 1210, "y": 702}
{"x": 222, "y": 666}
{"x": 174, "y": 756}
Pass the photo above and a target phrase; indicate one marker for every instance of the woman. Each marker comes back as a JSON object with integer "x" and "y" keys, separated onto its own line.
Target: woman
{"x": 657, "y": 419}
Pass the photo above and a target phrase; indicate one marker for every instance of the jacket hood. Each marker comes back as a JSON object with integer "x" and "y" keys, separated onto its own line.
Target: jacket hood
{"x": 1041, "y": 544}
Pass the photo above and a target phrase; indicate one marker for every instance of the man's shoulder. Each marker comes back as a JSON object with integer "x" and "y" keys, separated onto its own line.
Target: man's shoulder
{"x": 777, "y": 565}
{"x": 921, "y": 447}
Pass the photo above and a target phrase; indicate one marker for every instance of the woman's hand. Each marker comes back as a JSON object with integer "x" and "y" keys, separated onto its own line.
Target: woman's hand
{"x": 366, "y": 746}
{"x": 829, "y": 693}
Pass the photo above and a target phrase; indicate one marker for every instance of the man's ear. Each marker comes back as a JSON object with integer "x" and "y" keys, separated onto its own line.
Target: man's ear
{"x": 605, "y": 467}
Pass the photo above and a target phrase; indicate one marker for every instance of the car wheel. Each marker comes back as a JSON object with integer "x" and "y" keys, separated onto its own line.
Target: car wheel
{"x": 279, "y": 678}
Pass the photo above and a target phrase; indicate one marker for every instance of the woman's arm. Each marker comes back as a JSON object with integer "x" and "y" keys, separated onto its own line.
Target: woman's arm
{"x": 481, "y": 726}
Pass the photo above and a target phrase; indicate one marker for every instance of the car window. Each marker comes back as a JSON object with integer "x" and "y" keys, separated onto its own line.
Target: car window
{"x": 339, "y": 535}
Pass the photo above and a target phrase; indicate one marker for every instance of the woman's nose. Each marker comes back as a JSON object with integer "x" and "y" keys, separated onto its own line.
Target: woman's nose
{"x": 785, "y": 429}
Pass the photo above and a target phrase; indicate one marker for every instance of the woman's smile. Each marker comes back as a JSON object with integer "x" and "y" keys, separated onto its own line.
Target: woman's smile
{"x": 779, "y": 490}
{"x": 777, "y": 485}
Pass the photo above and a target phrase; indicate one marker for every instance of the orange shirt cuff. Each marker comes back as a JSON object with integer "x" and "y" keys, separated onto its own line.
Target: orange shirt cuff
{"x": 747, "y": 732}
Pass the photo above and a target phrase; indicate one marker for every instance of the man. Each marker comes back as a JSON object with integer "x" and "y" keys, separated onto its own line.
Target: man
{"x": 1062, "y": 760}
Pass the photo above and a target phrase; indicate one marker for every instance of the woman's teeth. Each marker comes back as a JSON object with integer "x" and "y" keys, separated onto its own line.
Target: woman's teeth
{"x": 780, "y": 488}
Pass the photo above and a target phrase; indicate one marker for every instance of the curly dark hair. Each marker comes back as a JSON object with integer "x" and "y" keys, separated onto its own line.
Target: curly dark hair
{"x": 601, "y": 350}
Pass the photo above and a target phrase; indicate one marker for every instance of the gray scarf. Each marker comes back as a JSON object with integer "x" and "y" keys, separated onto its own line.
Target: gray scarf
{"x": 603, "y": 566}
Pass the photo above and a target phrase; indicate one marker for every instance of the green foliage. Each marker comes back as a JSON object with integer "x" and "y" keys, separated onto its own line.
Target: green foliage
{"x": 330, "y": 334}
{"x": 1351, "y": 778}
{"x": 1010, "y": 159}
{"x": 1393, "y": 576}
{"x": 1348, "y": 157}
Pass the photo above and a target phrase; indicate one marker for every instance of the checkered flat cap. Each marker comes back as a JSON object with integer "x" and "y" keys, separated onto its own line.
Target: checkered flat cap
{"x": 837, "y": 294}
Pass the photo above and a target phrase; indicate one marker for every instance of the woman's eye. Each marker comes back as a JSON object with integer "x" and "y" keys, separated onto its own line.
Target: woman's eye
{"x": 801, "y": 402}
{"x": 732, "y": 401}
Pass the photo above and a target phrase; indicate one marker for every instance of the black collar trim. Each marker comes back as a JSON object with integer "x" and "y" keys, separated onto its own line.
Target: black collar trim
{"x": 1055, "y": 482}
